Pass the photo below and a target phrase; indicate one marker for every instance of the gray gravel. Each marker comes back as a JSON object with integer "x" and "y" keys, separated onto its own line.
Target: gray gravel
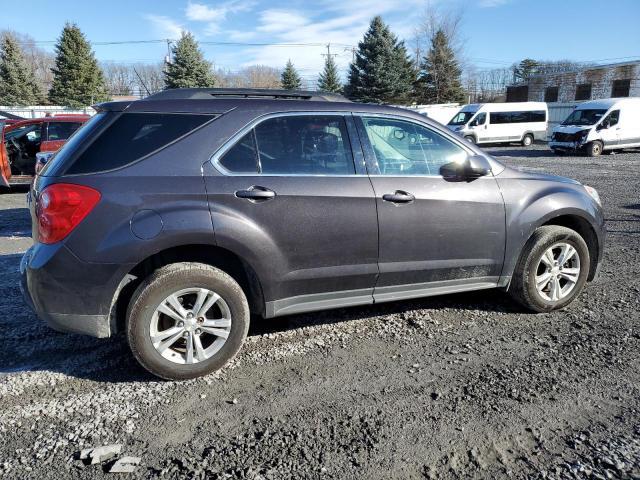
{"x": 455, "y": 386}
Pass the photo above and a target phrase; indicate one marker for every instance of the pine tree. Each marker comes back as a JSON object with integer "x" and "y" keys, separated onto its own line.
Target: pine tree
{"x": 290, "y": 79}
{"x": 188, "y": 68}
{"x": 382, "y": 71}
{"x": 77, "y": 77}
{"x": 18, "y": 85}
{"x": 329, "y": 80}
{"x": 525, "y": 69}
{"x": 439, "y": 77}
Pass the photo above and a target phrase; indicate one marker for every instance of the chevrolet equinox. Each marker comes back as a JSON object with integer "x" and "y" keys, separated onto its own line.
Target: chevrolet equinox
{"x": 176, "y": 217}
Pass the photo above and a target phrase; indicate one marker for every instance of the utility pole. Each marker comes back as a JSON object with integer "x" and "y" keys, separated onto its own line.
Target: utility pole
{"x": 167, "y": 59}
{"x": 329, "y": 54}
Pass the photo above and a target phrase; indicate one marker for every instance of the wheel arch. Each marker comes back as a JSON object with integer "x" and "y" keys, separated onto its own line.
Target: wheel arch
{"x": 226, "y": 260}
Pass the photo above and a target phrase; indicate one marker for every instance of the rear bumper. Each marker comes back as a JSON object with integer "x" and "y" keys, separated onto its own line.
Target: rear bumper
{"x": 66, "y": 293}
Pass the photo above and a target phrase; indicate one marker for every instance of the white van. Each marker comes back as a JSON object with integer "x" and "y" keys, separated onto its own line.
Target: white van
{"x": 598, "y": 126}
{"x": 521, "y": 122}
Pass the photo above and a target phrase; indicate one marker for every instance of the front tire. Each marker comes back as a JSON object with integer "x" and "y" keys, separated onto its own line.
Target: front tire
{"x": 594, "y": 149}
{"x": 527, "y": 140}
{"x": 187, "y": 320}
{"x": 470, "y": 139}
{"x": 552, "y": 269}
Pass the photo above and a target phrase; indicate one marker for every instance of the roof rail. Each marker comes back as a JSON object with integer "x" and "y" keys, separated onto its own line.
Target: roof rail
{"x": 208, "y": 93}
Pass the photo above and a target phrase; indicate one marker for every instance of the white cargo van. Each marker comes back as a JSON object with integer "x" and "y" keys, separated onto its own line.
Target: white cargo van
{"x": 521, "y": 122}
{"x": 598, "y": 126}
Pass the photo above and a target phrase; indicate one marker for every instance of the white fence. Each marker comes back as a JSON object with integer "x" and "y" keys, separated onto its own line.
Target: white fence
{"x": 37, "y": 111}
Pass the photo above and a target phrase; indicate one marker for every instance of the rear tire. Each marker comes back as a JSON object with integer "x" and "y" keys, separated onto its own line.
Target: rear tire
{"x": 187, "y": 357}
{"x": 527, "y": 140}
{"x": 528, "y": 285}
{"x": 594, "y": 149}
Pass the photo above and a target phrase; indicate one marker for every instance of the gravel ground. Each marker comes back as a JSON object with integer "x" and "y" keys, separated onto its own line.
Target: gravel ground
{"x": 460, "y": 386}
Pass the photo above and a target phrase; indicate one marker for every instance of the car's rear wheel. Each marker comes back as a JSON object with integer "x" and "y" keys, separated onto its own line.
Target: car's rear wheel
{"x": 594, "y": 149}
{"x": 527, "y": 140}
{"x": 552, "y": 269}
{"x": 187, "y": 320}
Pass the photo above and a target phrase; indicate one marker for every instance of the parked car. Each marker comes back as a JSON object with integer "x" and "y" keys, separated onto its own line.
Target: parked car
{"x": 174, "y": 217}
{"x": 599, "y": 126}
{"x": 521, "y": 122}
{"x": 23, "y": 141}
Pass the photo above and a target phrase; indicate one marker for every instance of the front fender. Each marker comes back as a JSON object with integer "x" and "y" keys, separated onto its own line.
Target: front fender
{"x": 528, "y": 208}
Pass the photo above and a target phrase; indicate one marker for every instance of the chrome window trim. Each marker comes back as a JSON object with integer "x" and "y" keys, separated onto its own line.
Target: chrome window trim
{"x": 232, "y": 141}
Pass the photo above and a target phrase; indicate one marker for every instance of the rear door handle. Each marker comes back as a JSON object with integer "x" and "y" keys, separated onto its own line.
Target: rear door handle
{"x": 398, "y": 196}
{"x": 256, "y": 193}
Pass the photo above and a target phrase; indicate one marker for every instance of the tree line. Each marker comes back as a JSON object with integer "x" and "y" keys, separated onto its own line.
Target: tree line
{"x": 381, "y": 71}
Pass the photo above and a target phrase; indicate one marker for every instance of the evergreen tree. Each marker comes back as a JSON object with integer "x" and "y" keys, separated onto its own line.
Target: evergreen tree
{"x": 77, "y": 78}
{"x": 188, "y": 68}
{"x": 18, "y": 85}
{"x": 290, "y": 79}
{"x": 329, "y": 80}
{"x": 525, "y": 69}
{"x": 382, "y": 71}
{"x": 439, "y": 76}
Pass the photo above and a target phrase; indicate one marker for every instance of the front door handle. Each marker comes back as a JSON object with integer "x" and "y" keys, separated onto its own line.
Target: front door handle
{"x": 398, "y": 196}
{"x": 256, "y": 193}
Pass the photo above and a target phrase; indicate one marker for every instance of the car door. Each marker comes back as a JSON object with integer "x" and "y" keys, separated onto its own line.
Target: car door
{"x": 610, "y": 132}
{"x": 436, "y": 235}
{"x": 480, "y": 127}
{"x": 288, "y": 198}
{"x": 57, "y": 135}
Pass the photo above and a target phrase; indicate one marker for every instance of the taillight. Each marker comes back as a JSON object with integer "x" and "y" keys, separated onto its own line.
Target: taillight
{"x": 61, "y": 207}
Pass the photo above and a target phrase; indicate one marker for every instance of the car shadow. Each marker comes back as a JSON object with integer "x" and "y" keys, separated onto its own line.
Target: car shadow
{"x": 523, "y": 152}
{"x": 15, "y": 222}
{"x": 29, "y": 345}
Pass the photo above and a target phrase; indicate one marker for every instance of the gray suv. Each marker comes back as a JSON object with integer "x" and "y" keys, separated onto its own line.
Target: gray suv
{"x": 175, "y": 218}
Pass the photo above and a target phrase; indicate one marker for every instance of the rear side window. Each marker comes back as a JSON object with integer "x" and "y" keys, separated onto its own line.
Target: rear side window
{"x": 293, "y": 145}
{"x": 61, "y": 130}
{"x": 133, "y": 136}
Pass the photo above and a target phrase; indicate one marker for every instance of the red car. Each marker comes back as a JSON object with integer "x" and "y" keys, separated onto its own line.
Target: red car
{"x": 22, "y": 141}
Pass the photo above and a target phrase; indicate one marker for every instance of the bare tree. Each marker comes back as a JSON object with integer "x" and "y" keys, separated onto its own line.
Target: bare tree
{"x": 254, "y": 76}
{"x": 433, "y": 19}
{"x": 119, "y": 77}
{"x": 148, "y": 78}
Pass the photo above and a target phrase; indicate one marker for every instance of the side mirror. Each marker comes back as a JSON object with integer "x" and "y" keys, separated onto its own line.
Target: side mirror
{"x": 474, "y": 166}
{"x": 603, "y": 126}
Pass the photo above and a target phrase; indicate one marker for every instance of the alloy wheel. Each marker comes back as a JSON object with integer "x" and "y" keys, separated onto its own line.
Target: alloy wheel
{"x": 557, "y": 272}
{"x": 190, "y": 325}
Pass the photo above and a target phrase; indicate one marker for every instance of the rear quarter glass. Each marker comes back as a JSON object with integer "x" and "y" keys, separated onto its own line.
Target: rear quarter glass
{"x": 130, "y": 137}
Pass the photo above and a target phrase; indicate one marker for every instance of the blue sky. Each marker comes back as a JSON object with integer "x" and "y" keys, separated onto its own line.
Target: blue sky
{"x": 495, "y": 32}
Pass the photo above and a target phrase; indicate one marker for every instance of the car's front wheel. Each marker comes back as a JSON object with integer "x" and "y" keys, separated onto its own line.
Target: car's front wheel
{"x": 552, "y": 269}
{"x": 187, "y": 320}
{"x": 594, "y": 149}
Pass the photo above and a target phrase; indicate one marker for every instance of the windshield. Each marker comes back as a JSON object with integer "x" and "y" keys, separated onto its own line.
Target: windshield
{"x": 584, "y": 117}
{"x": 461, "y": 118}
{"x": 72, "y": 144}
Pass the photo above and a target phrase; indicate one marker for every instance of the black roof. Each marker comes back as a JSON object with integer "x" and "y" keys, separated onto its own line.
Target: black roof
{"x": 209, "y": 93}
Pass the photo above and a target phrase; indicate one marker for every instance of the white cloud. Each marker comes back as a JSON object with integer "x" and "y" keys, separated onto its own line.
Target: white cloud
{"x": 165, "y": 26}
{"x": 281, "y": 21}
{"x": 214, "y": 16}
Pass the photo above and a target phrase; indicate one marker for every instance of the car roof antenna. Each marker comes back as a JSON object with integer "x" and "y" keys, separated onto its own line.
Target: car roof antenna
{"x": 141, "y": 81}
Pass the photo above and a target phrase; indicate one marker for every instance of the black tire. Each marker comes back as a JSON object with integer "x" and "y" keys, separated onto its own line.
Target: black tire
{"x": 523, "y": 288}
{"x": 527, "y": 140}
{"x": 162, "y": 283}
{"x": 594, "y": 149}
{"x": 470, "y": 139}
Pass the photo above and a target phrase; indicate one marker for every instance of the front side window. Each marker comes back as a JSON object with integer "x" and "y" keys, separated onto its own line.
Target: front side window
{"x": 293, "y": 145}
{"x": 480, "y": 119}
{"x": 406, "y": 148}
{"x": 612, "y": 119}
{"x": 461, "y": 118}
